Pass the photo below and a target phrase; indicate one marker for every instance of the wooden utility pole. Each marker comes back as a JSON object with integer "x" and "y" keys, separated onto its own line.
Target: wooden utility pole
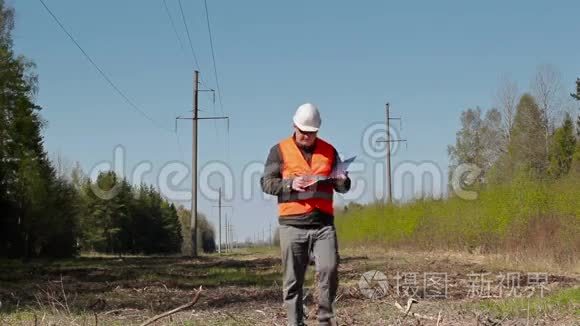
{"x": 195, "y": 118}
{"x": 232, "y": 238}
{"x": 220, "y": 222}
{"x": 219, "y": 206}
{"x": 194, "y": 166}
{"x": 389, "y": 199}
{"x": 231, "y": 234}
{"x": 227, "y": 234}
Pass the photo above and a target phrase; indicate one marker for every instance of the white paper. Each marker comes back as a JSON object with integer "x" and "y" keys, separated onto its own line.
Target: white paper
{"x": 341, "y": 168}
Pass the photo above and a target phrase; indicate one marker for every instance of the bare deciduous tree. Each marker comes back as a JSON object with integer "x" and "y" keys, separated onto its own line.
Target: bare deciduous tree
{"x": 492, "y": 138}
{"x": 480, "y": 140}
{"x": 62, "y": 166}
{"x": 506, "y": 98}
{"x": 548, "y": 91}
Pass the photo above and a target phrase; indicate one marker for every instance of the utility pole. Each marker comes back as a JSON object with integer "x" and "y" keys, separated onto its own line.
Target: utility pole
{"x": 389, "y": 141}
{"x": 195, "y": 117}
{"x": 226, "y": 230}
{"x": 194, "y": 166}
{"x": 220, "y": 222}
{"x": 231, "y": 235}
{"x": 219, "y": 206}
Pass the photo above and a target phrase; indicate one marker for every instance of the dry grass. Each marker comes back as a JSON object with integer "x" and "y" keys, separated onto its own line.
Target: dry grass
{"x": 245, "y": 290}
{"x": 510, "y": 261}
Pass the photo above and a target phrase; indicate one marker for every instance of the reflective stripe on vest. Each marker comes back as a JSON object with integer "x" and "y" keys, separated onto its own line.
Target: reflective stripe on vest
{"x": 318, "y": 196}
{"x": 293, "y": 196}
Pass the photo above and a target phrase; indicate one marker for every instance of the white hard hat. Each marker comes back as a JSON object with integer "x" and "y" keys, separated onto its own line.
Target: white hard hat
{"x": 307, "y": 118}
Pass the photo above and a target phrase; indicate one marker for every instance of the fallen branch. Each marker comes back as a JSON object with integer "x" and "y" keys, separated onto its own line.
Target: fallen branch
{"x": 235, "y": 319}
{"x": 410, "y": 305}
{"x": 339, "y": 296}
{"x": 171, "y": 312}
{"x": 407, "y": 310}
{"x": 118, "y": 310}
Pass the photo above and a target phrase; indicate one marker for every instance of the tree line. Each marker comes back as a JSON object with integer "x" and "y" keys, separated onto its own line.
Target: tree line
{"x": 47, "y": 213}
{"x": 527, "y": 135}
{"x": 526, "y": 205}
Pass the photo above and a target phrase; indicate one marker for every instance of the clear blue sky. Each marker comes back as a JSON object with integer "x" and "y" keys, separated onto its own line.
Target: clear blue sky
{"x": 429, "y": 59}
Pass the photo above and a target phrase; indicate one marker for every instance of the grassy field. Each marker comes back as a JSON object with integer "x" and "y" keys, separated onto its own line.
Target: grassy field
{"x": 563, "y": 300}
{"x": 533, "y": 221}
{"x": 243, "y": 288}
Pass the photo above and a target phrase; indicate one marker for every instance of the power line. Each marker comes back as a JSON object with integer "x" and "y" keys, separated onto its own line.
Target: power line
{"x": 190, "y": 45}
{"x": 216, "y": 78}
{"x": 188, "y": 36}
{"x": 179, "y": 147}
{"x": 202, "y": 82}
{"x": 101, "y": 72}
{"x": 173, "y": 25}
{"x": 213, "y": 57}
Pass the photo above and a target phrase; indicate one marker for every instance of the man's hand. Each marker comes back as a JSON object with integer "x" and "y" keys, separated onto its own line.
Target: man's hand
{"x": 299, "y": 183}
{"x": 342, "y": 176}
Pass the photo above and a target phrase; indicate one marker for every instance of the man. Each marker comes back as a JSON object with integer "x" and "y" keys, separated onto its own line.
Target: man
{"x": 305, "y": 211}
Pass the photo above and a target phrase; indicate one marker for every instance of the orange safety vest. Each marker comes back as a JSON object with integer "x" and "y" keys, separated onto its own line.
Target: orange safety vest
{"x": 318, "y": 196}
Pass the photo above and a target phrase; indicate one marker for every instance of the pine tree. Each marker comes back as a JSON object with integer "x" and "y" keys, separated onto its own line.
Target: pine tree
{"x": 576, "y": 159}
{"x": 37, "y": 216}
{"x": 205, "y": 230}
{"x": 563, "y": 148}
{"x": 64, "y": 211}
{"x": 123, "y": 218}
{"x": 103, "y": 211}
{"x": 526, "y": 152}
{"x": 45, "y": 213}
{"x": 577, "y": 95}
{"x": 171, "y": 228}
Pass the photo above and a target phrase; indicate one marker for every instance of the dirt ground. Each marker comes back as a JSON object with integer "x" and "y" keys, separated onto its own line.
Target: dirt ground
{"x": 244, "y": 288}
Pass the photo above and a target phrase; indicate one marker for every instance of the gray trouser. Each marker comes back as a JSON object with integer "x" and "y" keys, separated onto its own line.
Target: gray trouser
{"x": 298, "y": 245}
